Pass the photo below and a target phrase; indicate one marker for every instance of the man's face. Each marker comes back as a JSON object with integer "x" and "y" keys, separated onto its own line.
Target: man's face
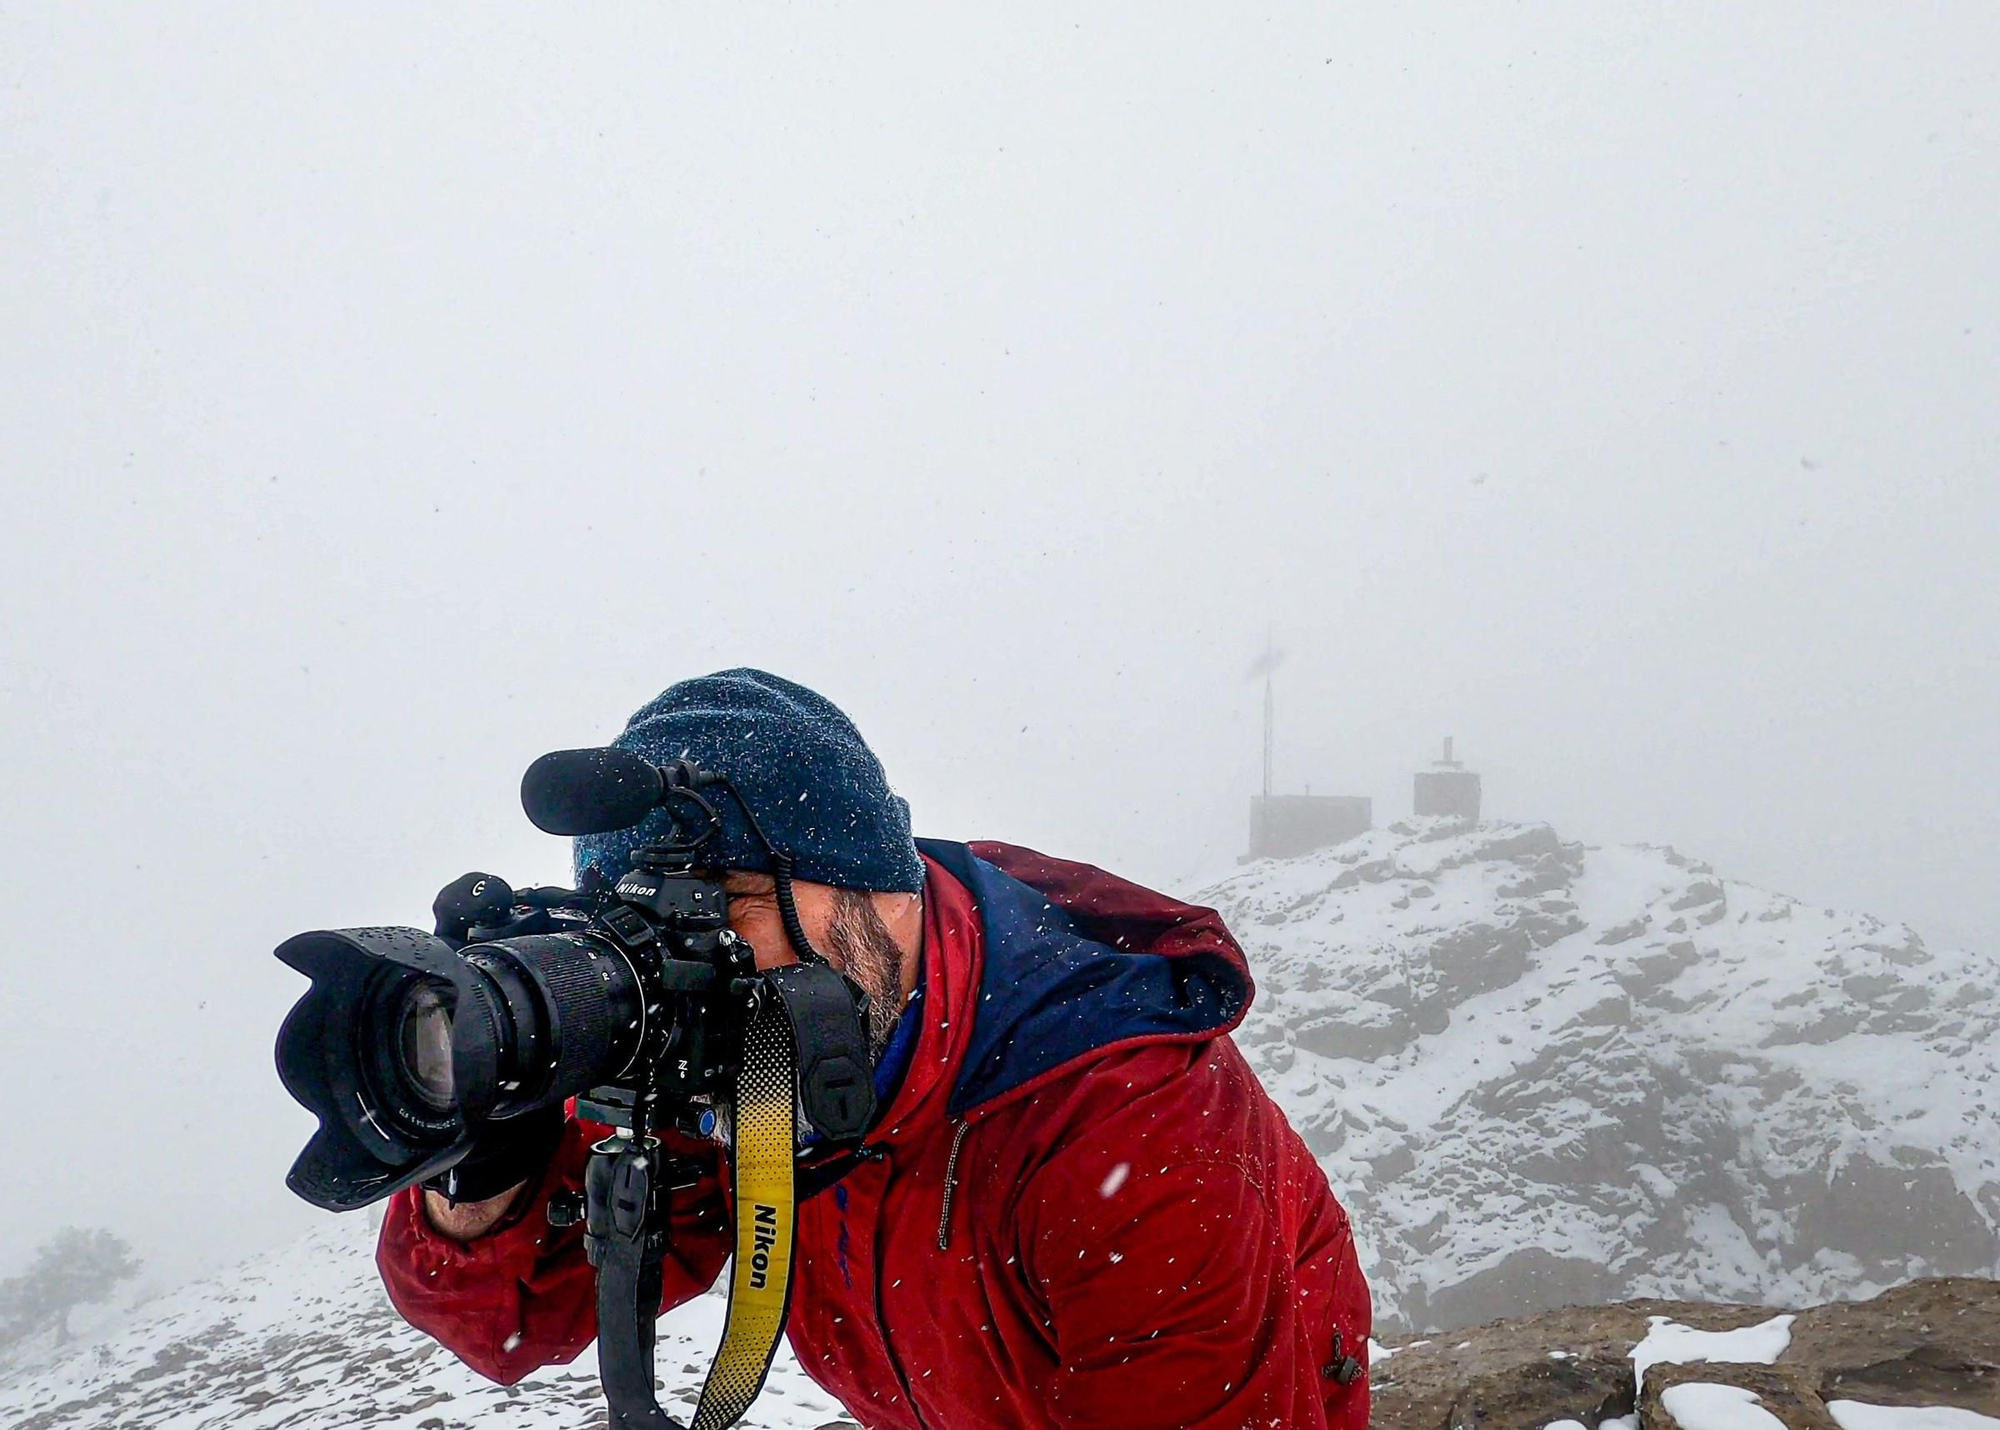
{"x": 850, "y": 927}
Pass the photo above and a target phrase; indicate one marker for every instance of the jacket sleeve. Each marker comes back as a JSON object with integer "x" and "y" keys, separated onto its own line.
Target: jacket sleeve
{"x": 524, "y": 1296}
{"x": 1169, "y": 1304}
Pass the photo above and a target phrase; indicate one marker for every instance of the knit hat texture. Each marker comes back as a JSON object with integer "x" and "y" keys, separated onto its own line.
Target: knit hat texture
{"x": 816, "y": 788}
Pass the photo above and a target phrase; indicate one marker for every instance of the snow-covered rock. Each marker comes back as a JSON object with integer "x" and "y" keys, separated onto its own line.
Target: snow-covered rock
{"x": 1540, "y": 1074}
{"x": 1926, "y": 1354}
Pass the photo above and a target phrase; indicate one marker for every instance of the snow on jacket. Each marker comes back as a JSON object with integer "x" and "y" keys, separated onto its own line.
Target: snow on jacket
{"x": 1087, "y": 1212}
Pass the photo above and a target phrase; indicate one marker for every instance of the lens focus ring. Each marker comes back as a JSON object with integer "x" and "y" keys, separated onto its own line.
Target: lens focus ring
{"x": 582, "y": 1001}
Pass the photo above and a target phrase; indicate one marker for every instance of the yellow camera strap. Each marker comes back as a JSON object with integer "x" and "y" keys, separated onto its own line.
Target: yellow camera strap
{"x": 760, "y": 1281}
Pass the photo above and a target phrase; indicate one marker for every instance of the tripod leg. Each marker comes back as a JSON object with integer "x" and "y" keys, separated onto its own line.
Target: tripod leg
{"x": 627, "y": 1302}
{"x": 618, "y": 1186}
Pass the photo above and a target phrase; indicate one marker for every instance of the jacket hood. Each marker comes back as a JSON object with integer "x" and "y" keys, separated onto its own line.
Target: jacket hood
{"x": 1079, "y": 963}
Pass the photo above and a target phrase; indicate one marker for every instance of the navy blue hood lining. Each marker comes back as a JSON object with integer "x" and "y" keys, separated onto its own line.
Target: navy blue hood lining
{"x": 1050, "y": 993}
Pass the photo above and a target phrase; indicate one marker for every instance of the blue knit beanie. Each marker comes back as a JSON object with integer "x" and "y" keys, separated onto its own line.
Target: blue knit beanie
{"x": 817, "y": 790}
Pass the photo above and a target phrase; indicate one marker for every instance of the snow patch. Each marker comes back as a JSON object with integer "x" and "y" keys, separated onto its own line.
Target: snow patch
{"x": 1701, "y": 1406}
{"x": 1858, "y": 1415}
{"x": 1669, "y": 1343}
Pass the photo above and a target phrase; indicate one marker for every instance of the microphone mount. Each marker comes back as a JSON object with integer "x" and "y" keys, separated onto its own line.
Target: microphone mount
{"x": 601, "y": 790}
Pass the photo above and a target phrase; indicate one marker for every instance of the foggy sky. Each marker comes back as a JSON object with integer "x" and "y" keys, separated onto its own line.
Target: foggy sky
{"x": 386, "y": 399}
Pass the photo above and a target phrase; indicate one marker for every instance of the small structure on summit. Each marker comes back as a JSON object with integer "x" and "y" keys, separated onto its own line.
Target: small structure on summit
{"x": 1447, "y": 789}
{"x": 1283, "y": 826}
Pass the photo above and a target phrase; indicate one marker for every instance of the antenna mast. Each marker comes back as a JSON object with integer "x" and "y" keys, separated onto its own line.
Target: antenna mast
{"x": 1270, "y": 664}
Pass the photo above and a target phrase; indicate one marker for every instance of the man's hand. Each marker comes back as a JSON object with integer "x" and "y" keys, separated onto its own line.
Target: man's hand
{"x": 475, "y": 1196}
{"x": 462, "y": 1221}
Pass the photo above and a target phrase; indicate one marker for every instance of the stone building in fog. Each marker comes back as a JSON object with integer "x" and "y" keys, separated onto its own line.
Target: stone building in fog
{"x": 1447, "y": 790}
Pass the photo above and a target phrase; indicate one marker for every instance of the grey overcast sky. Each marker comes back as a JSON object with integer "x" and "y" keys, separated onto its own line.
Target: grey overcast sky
{"x": 391, "y": 393}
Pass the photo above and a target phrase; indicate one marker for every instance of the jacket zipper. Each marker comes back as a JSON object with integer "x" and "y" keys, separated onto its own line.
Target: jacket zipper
{"x": 882, "y": 1319}
{"x": 950, "y": 1183}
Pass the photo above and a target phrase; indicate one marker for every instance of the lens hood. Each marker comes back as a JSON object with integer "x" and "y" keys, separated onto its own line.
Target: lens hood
{"x": 370, "y": 1143}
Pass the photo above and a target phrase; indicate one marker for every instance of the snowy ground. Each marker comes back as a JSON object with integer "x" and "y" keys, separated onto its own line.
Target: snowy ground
{"x": 305, "y": 1340}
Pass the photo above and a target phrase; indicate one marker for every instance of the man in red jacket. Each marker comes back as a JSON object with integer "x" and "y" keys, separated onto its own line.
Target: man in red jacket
{"x": 1079, "y": 1208}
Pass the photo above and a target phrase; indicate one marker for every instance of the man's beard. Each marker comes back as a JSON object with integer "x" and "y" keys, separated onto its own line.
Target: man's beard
{"x": 867, "y": 952}
{"x": 862, "y": 947}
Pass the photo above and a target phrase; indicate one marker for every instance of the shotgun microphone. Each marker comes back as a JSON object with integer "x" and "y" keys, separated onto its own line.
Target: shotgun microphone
{"x": 590, "y": 791}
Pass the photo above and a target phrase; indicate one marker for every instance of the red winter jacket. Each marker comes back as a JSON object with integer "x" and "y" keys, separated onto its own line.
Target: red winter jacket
{"x": 1089, "y": 1213}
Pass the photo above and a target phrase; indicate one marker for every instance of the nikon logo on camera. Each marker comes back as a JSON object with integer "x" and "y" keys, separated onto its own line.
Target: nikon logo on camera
{"x": 766, "y": 1236}
{"x": 630, "y": 887}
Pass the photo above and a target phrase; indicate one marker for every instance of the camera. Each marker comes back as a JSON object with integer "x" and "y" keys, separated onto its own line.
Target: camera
{"x": 404, "y": 1045}
{"x": 632, "y": 996}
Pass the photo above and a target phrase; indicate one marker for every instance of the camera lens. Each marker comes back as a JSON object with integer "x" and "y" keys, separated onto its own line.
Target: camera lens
{"x": 404, "y": 1045}
{"x": 399, "y": 1043}
{"x": 423, "y": 1040}
{"x": 538, "y": 1018}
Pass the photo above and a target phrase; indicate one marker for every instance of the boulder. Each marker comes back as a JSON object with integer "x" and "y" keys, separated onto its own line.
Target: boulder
{"x": 1928, "y": 1343}
{"x": 1788, "y": 1391}
{"x": 1931, "y": 1342}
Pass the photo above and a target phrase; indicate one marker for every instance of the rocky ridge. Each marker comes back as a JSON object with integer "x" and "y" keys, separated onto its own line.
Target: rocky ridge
{"x": 1543, "y": 1074}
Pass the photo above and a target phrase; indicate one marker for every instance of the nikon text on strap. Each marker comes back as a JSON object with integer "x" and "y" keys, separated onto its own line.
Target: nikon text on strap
{"x": 760, "y": 1280}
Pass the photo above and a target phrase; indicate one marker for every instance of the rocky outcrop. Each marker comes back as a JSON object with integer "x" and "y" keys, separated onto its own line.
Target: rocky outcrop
{"x": 1541, "y": 1073}
{"x": 1788, "y": 1391}
{"x": 1928, "y": 1343}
